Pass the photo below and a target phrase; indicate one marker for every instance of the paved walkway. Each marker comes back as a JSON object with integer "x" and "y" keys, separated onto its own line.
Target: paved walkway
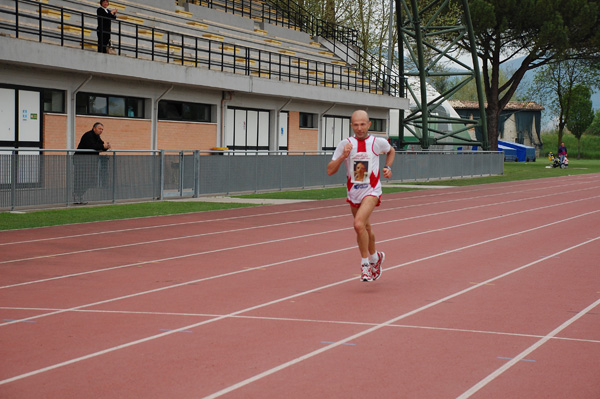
{"x": 275, "y": 201}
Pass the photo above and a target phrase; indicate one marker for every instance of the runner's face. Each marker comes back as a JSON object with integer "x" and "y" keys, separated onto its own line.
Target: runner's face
{"x": 360, "y": 125}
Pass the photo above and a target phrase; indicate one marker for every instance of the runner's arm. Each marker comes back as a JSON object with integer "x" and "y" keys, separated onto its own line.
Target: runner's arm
{"x": 334, "y": 165}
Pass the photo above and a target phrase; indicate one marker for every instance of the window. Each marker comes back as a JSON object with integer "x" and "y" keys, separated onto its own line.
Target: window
{"x": 183, "y": 111}
{"x": 377, "y": 125}
{"x": 308, "y": 121}
{"x": 335, "y": 129}
{"x": 54, "y": 100}
{"x": 247, "y": 129}
{"x": 105, "y": 105}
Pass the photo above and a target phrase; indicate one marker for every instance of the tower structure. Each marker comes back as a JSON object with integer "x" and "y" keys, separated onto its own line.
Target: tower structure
{"x": 423, "y": 28}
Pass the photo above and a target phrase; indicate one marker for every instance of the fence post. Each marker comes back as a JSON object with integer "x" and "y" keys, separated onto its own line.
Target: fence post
{"x": 68, "y": 185}
{"x": 181, "y": 173}
{"x": 13, "y": 182}
{"x": 303, "y": 170}
{"x": 229, "y": 173}
{"x": 162, "y": 174}
{"x": 114, "y": 178}
{"x": 196, "y": 174}
{"x": 256, "y": 155}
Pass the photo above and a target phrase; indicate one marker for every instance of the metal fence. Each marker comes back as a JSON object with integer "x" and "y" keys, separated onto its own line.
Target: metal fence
{"x": 39, "y": 178}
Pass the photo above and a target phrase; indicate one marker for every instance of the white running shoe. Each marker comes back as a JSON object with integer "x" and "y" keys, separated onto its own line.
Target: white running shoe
{"x": 376, "y": 268}
{"x": 366, "y": 273}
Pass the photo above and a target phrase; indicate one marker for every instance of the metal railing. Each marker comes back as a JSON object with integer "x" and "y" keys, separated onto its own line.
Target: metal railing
{"x": 66, "y": 27}
{"x": 33, "y": 178}
{"x": 286, "y": 13}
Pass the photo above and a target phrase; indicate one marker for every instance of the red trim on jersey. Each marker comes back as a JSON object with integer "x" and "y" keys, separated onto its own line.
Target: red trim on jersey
{"x": 362, "y": 147}
{"x": 374, "y": 179}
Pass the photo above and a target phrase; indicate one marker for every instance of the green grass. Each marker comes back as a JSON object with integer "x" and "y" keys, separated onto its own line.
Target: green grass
{"x": 512, "y": 171}
{"x": 55, "y": 217}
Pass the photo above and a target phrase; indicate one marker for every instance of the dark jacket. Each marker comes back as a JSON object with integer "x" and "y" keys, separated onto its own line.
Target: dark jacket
{"x": 562, "y": 150}
{"x": 91, "y": 141}
{"x": 104, "y": 19}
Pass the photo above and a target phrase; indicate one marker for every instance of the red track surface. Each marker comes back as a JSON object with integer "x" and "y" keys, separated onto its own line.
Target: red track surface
{"x": 487, "y": 292}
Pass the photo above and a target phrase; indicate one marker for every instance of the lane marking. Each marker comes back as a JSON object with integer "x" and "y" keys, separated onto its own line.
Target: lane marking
{"x": 333, "y": 342}
{"x": 294, "y": 319}
{"x": 20, "y": 320}
{"x": 299, "y": 237}
{"x": 481, "y": 384}
{"x": 384, "y": 324}
{"x": 183, "y": 331}
{"x": 511, "y": 358}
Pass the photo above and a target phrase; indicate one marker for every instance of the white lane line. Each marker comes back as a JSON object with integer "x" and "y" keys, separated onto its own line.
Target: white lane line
{"x": 387, "y": 323}
{"x": 481, "y": 384}
{"x": 300, "y": 320}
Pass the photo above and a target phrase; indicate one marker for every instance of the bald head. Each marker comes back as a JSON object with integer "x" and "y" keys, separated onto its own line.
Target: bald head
{"x": 360, "y": 114}
{"x": 360, "y": 124}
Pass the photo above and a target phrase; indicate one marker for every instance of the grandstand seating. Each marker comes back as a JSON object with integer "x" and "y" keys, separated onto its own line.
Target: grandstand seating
{"x": 196, "y": 36}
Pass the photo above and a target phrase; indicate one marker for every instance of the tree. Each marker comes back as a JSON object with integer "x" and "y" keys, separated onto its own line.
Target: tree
{"x": 539, "y": 31}
{"x": 582, "y": 113}
{"x": 553, "y": 86}
{"x": 594, "y": 128}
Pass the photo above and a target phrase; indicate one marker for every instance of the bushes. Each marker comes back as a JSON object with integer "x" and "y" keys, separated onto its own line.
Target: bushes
{"x": 590, "y": 145}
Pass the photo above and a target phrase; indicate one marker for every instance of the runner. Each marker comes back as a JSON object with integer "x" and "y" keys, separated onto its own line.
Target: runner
{"x": 364, "y": 193}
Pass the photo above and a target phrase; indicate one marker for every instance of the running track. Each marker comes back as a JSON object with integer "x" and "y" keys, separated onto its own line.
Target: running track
{"x": 487, "y": 292}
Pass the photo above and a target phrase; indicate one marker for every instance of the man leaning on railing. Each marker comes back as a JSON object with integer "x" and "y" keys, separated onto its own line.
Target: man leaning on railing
{"x": 86, "y": 163}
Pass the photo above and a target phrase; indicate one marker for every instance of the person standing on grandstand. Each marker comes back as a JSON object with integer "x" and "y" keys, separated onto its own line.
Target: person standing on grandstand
{"x": 363, "y": 150}
{"x": 105, "y": 17}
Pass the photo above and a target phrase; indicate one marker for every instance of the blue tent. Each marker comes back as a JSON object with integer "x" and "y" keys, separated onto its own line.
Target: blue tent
{"x": 525, "y": 153}
{"x": 510, "y": 154}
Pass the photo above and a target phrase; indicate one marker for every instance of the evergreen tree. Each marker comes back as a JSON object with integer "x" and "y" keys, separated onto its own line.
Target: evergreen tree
{"x": 582, "y": 114}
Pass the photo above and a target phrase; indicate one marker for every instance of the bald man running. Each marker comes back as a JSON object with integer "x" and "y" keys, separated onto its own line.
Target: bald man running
{"x": 362, "y": 152}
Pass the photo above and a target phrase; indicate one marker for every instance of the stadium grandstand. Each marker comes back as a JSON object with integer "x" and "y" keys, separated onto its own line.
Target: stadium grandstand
{"x": 236, "y": 74}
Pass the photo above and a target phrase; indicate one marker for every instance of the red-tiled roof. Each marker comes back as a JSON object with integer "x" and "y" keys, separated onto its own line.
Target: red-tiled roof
{"x": 513, "y": 105}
